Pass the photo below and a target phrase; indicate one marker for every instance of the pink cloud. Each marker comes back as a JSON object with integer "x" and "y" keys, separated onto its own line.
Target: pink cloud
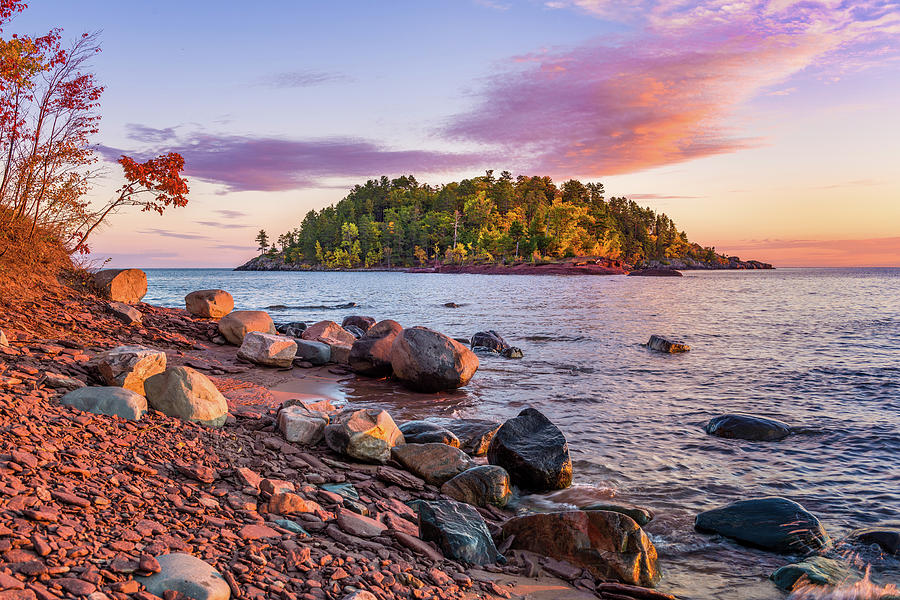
{"x": 666, "y": 94}
{"x": 868, "y": 252}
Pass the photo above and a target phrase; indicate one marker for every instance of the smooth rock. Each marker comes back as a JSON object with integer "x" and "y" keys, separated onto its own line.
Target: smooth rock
{"x": 345, "y": 490}
{"x": 435, "y": 463}
{"x": 609, "y": 544}
{"x": 355, "y": 331}
{"x": 358, "y": 525}
{"x": 187, "y": 394}
{"x": 293, "y": 329}
{"x": 188, "y": 575}
{"x": 210, "y": 304}
{"x": 480, "y": 486}
{"x": 301, "y": 425}
{"x": 268, "y": 349}
{"x": 661, "y": 344}
{"x": 367, "y": 435}
{"x": 771, "y": 523}
{"x": 491, "y": 341}
{"x": 292, "y": 526}
{"x": 4, "y": 342}
{"x": 655, "y": 273}
{"x": 887, "y": 538}
{"x": 364, "y": 323}
{"x": 747, "y": 427}
{"x": 458, "y": 529}
{"x": 424, "y": 432}
{"x": 533, "y": 451}
{"x": 315, "y": 353}
{"x": 474, "y": 435}
{"x": 815, "y": 570}
{"x": 235, "y": 325}
{"x": 371, "y": 354}
{"x": 121, "y": 285}
{"x": 127, "y": 314}
{"x": 112, "y": 401}
{"x": 130, "y": 366}
{"x": 641, "y": 515}
{"x": 428, "y": 361}
{"x": 336, "y": 337}
{"x": 61, "y": 382}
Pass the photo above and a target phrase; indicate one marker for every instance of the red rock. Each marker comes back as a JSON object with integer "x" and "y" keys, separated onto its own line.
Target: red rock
{"x": 148, "y": 564}
{"x": 257, "y": 532}
{"x": 17, "y": 595}
{"x": 8, "y": 582}
{"x": 417, "y": 545}
{"x": 43, "y": 515}
{"x": 67, "y": 498}
{"x": 76, "y": 587}
{"x": 25, "y": 459}
{"x": 358, "y": 525}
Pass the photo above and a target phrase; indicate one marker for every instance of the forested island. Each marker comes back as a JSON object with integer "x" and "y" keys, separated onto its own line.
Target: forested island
{"x": 485, "y": 224}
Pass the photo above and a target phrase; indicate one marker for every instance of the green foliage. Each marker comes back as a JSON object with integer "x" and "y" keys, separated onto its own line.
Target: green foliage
{"x": 395, "y": 222}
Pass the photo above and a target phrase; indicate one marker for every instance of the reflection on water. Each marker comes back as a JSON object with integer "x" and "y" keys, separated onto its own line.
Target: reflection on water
{"x": 819, "y": 349}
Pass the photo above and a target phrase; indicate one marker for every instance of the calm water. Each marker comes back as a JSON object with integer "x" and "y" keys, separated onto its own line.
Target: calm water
{"x": 818, "y": 348}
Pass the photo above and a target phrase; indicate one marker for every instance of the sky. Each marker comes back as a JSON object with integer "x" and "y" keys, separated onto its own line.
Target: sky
{"x": 769, "y": 129}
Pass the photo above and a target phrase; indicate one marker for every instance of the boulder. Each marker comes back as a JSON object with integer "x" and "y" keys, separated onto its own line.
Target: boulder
{"x": 423, "y": 432}
{"x": 292, "y": 329}
{"x": 458, "y": 529}
{"x": 474, "y": 435}
{"x": 770, "y": 523}
{"x": 188, "y": 575}
{"x": 491, "y": 341}
{"x": 355, "y": 331}
{"x": 121, "y": 285}
{"x": 371, "y": 354}
{"x": 124, "y": 313}
{"x": 661, "y": 344}
{"x": 113, "y": 401}
{"x": 334, "y": 336}
{"x": 480, "y": 486}
{"x": 747, "y": 427}
{"x": 533, "y": 451}
{"x": 187, "y": 394}
{"x": 435, "y": 463}
{"x": 428, "y": 361}
{"x": 210, "y": 304}
{"x": 366, "y": 435}
{"x": 609, "y": 544}
{"x": 364, "y": 323}
{"x": 61, "y": 382}
{"x": 268, "y": 349}
{"x": 315, "y": 353}
{"x": 886, "y": 538}
{"x": 641, "y": 515}
{"x": 815, "y": 570}
{"x": 300, "y": 425}
{"x": 236, "y": 324}
{"x": 130, "y": 366}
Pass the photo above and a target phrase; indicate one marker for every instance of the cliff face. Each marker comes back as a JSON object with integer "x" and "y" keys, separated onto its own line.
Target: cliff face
{"x": 265, "y": 262}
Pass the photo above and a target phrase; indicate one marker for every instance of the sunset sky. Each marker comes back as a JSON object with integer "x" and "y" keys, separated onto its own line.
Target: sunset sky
{"x": 768, "y": 129}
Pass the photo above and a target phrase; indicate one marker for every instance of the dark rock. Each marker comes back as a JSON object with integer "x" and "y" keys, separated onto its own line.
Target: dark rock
{"x": 315, "y": 353}
{"x": 887, "y": 538}
{"x": 363, "y": 323}
{"x": 458, "y": 529}
{"x": 771, "y": 523}
{"x": 371, "y": 354}
{"x": 424, "y": 432}
{"x": 480, "y": 486}
{"x": 451, "y": 305}
{"x": 292, "y": 329}
{"x": 474, "y": 435}
{"x": 533, "y": 451}
{"x": 428, "y": 361}
{"x": 491, "y": 341}
{"x": 747, "y": 427}
{"x": 655, "y": 273}
{"x": 356, "y": 331}
{"x": 815, "y": 570}
{"x": 661, "y": 344}
{"x": 435, "y": 463}
{"x": 609, "y": 544}
{"x": 641, "y": 515}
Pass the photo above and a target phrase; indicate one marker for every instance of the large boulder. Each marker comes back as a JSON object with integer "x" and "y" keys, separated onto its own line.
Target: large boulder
{"x": 235, "y": 325}
{"x": 187, "y": 394}
{"x": 474, "y": 435}
{"x": 771, "y": 523}
{"x": 371, "y": 354}
{"x": 366, "y": 435}
{"x": 187, "y": 575}
{"x": 533, "y": 451}
{"x": 364, "y": 323}
{"x": 747, "y": 427}
{"x": 491, "y": 341}
{"x": 428, "y": 361}
{"x": 301, "y": 425}
{"x": 268, "y": 350}
{"x": 458, "y": 529}
{"x": 334, "y": 336}
{"x": 609, "y": 544}
{"x": 435, "y": 463}
{"x": 130, "y": 366}
{"x": 315, "y": 353}
{"x": 121, "y": 285}
{"x": 425, "y": 432}
{"x": 113, "y": 401}
{"x": 211, "y": 304}
{"x": 662, "y": 344}
{"x": 480, "y": 486}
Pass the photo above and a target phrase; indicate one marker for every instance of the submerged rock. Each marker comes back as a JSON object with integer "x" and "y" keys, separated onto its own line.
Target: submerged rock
{"x": 480, "y": 486}
{"x": 424, "y": 432}
{"x": 187, "y": 575}
{"x": 533, "y": 451}
{"x": 187, "y": 394}
{"x": 435, "y": 463}
{"x": 268, "y": 349}
{"x": 491, "y": 341}
{"x": 371, "y": 354}
{"x": 121, "y": 285}
{"x": 130, "y": 366}
{"x": 747, "y": 427}
{"x": 661, "y": 344}
{"x": 771, "y": 523}
{"x": 459, "y": 531}
{"x": 367, "y": 435}
{"x": 113, "y": 401}
{"x": 235, "y": 325}
{"x": 210, "y": 304}
{"x": 815, "y": 570}
{"x": 641, "y": 515}
{"x": 364, "y": 323}
{"x": 428, "y": 361}
{"x": 655, "y": 273}
{"x": 609, "y": 544}
{"x": 886, "y": 538}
